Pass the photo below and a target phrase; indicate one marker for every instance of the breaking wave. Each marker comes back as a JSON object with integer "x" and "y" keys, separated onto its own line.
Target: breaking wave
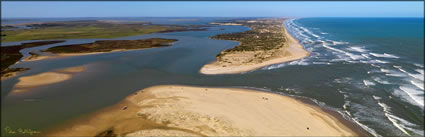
{"x": 385, "y": 55}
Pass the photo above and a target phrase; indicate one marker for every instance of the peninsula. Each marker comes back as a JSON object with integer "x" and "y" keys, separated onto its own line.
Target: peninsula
{"x": 268, "y": 42}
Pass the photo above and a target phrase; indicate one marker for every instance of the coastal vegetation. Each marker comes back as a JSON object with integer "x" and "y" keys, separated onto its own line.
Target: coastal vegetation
{"x": 86, "y": 29}
{"x": 265, "y": 36}
{"x": 111, "y": 45}
{"x": 265, "y": 44}
{"x": 10, "y": 55}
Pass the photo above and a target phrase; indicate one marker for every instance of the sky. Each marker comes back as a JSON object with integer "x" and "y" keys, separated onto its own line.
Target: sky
{"x": 47, "y": 9}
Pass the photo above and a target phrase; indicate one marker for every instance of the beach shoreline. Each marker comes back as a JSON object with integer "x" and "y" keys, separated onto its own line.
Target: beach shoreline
{"x": 170, "y": 110}
{"x": 295, "y": 50}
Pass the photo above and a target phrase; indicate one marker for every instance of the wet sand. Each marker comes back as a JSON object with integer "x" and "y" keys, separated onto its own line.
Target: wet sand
{"x": 174, "y": 110}
{"x": 46, "y": 78}
{"x": 292, "y": 50}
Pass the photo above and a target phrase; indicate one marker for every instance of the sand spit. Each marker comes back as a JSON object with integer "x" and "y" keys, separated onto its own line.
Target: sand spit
{"x": 35, "y": 58}
{"x": 226, "y": 24}
{"x": 46, "y": 78}
{"x": 173, "y": 110}
{"x": 61, "y": 55}
{"x": 292, "y": 51}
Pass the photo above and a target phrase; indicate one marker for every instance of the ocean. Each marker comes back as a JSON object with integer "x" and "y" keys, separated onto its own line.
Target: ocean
{"x": 368, "y": 69}
{"x": 379, "y": 63}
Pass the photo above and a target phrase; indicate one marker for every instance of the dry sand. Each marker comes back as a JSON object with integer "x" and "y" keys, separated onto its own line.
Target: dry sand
{"x": 173, "y": 110}
{"x": 292, "y": 50}
{"x": 46, "y": 78}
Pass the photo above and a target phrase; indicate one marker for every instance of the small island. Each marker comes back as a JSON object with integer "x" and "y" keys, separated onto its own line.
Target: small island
{"x": 10, "y": 55}
{"x": 265, "y": 44}
{"x": 102, "y": 46}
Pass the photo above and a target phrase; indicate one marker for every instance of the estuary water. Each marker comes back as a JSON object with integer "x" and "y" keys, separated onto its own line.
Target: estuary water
{"x": 369, "y": 69}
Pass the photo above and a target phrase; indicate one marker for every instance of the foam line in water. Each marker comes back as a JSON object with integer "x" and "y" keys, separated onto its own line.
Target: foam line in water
{"x": 379, "y": 80}
{"x": 380, "y": 61}
{"x": 390, "y": 117}
{"x": 368, "y": 129}
{"x": 309, "y": 32}
{"x": 419, "y": 65}
{"x": 414, "y": 94}
{"x": 419, "y": 85}
{"x": 365, "y": 55}
{"x": 337, "y": 42}
{"x": 385, "y": 55}
{"x": 352, "y": 56}
{"x": 368, "y": 83}
{"x": 415, "y": 76}
{"x": 327, "y": 63}
{"x": 420, "y": 71}
{"x": 358, "y": 49}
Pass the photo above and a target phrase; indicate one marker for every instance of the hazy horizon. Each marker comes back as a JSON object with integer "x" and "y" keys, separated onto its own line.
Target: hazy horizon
{"x": 74, "y": 9}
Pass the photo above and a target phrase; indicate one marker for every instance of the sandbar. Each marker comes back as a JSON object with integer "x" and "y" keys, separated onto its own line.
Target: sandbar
{"x": 46, "y": 78}
{"x": 293, "y": 51}
{"x": 175, "y": 110}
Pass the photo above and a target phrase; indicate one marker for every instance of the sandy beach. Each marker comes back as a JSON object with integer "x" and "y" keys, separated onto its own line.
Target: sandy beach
{"x": 174, "y": 110}
{"x": 292, "y": 50}
{"x": 46, "y": 78}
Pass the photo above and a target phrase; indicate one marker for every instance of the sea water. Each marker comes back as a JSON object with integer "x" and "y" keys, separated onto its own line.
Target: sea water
{"x": 379, "y": 63}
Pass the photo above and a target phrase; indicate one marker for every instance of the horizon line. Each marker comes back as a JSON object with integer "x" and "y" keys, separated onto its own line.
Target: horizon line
{"x": 223, "y": 17}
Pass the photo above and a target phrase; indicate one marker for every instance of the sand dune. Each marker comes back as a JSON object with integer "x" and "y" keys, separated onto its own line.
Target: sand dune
{"x": 174, "y": 110}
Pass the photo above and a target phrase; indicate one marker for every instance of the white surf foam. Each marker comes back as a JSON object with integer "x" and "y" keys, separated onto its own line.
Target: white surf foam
{"x": 338, "y": 42}
{"x": 391, "y": 117}
{"x": 358, "y": 49}
{"x": 309, "y": 32}
{"x": 414, "y": 94}
{"x": 368, "y": 129}
{"x": 379, "y": 80}
{"x": 365, "y": 55}
{"x": 419, "y": 65}
{"x": 368, "y": 83}
{"x": 417, "y": 84}
{"x": 420, "y": 71}
{"x": 327, "y": 63}
{"x": 417, "y": 76}
{"x": 380, "y": 61}
{"x": 352, "y": 56}
{"x": 385, "y": 55}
